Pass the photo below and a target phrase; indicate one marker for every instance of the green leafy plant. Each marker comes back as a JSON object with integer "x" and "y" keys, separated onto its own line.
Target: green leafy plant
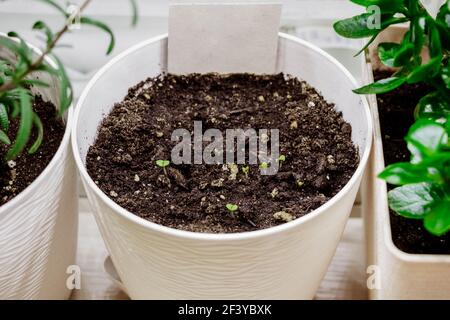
{"x": 424, "y": 32}
{"x": 232, "y": 207}
{"x": 16, "y": 98}
{"x": 424, "y": 191}
{"x": 425, "y": 181}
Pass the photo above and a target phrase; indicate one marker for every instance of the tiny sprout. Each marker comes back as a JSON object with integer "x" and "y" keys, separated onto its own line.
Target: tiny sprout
{"x": 162, "y": 163}
{"x": 246, "y": 170}
{"x": 232, "y": 207}
{"x": 274, "y": 193}
{"x": 234, "y": 169}
{"x": 264, "y": 165}
{"x": 281, "y": 159}
{"x": 300, "y": 183}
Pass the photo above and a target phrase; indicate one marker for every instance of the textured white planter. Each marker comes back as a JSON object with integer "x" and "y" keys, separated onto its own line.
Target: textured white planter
{"x": 400, "y": 275}
{"x": 156, "y": 262}
{"x": 38, "y": 228}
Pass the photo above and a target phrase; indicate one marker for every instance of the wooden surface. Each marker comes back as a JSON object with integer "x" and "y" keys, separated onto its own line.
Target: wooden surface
{"x": 345, "y": 278}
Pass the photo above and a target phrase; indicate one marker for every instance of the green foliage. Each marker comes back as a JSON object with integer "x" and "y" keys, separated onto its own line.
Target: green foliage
{"x": 135, "y": 9}
{"x": 424, "y": 182}
{"x": 423, "y": 31}
{"x": 15, "y": 83}
{"x": 162, "y": 163}
{"x": 102, "y": 26}
{"x": 232, "y": 207}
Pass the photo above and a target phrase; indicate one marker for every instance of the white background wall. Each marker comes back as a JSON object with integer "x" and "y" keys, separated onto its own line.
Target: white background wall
{"x": 308, "y": 19}
{"x": 89, "y": 45}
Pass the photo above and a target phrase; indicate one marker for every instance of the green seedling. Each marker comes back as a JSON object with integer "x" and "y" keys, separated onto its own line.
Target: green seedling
{"x": 246, "y": 170}
{"x": 232, "y": 207}
{"x": 263, "y": 165}
{"x": 163, "y": 164}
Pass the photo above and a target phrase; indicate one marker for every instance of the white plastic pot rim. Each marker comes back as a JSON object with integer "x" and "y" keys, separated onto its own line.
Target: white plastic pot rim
{"x": 210, "y": 236}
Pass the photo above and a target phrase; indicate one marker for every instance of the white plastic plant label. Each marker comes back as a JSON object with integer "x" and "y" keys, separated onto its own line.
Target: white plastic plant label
{"x": 223, "y": 37}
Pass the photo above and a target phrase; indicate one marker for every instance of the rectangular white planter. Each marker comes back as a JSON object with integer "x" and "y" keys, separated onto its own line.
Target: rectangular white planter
{"x": 397, "y": 275}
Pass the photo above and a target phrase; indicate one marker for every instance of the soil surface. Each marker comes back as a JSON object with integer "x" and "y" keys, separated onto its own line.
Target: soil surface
{"x": 314, "y": 138}
{"x": 396, "y": 116}
{"x": 16, "y": 175}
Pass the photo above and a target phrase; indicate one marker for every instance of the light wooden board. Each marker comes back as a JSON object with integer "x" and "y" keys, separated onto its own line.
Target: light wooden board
{"x": 345, "y": 278}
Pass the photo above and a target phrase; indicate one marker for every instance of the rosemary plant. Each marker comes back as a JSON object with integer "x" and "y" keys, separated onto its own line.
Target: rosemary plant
{"x": 16, "y": 99}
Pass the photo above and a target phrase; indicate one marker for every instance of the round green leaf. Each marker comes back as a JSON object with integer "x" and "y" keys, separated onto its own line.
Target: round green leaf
{"x": 433, "y": 106}
{"x": 412, "y": 200}
{"x": 425, "y": 138}
{"x": 407, "y": 173}
{"x": 437, "y": 221}
{"x": 387, "y": 52}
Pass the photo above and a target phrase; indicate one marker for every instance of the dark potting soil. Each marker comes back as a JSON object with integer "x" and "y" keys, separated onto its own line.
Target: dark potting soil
{"x": 16, "y": 175}
{"x": 396, "y": 111}
{"x": 314, "y": 138}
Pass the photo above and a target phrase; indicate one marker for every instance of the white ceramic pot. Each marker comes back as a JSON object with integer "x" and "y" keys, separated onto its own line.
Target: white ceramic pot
{"x": 284, "y": 262}
{"x": 398, "y": 275}
{"x": 38, "y": 228}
